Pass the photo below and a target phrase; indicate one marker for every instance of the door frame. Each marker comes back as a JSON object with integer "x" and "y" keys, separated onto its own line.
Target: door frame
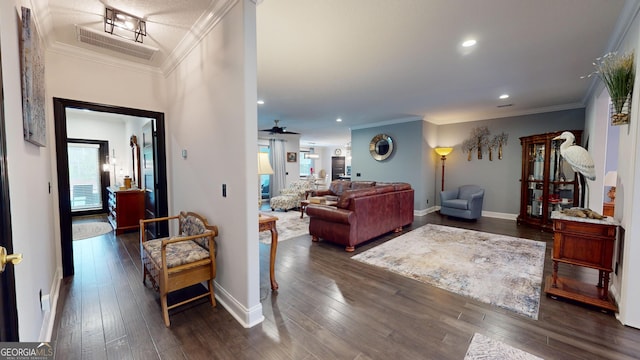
{"x": 62, "y": 159}
{"x": 8, "y": 304}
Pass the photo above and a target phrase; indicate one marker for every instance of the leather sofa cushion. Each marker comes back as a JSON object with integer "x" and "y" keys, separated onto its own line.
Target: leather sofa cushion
{"x": 362, "y": 184}
{"x": 384, "y": 189}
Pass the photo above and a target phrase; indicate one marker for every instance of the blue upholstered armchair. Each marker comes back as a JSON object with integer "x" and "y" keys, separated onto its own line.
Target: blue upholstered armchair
{"x": 464, "y": 202}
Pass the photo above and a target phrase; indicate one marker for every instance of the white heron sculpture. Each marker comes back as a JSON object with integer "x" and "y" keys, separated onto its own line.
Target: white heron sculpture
{"x": 576, "y": 156}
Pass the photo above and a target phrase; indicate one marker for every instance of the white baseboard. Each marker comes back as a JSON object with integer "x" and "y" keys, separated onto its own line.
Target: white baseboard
{"x": 498, "y": 215}
{"x": 246, "y": 317}
{"x": 424, "y": 212}
{"x": 46, "y": 331}
{"x": 490, "y": 214}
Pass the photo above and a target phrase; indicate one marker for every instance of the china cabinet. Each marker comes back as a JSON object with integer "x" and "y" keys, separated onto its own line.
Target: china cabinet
{"x": 547, "y": 182}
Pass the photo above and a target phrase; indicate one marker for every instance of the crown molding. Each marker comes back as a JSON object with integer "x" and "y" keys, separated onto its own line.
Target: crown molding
{"x": 541, "y": 110}
{"x": 88, "y": 55}
{"x": 387, "y": 122}
{"x": 207, "y": 21}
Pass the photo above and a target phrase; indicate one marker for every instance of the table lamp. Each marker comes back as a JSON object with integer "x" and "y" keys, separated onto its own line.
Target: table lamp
{"x": 610, "y": 179}
{"x": 264, "y": 168}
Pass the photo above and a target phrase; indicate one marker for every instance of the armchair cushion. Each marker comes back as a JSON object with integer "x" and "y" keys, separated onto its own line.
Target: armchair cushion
{"x": 179, "y": 253}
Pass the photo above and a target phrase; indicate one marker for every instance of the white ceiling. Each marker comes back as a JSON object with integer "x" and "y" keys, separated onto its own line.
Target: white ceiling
{"x": 379, "y": 61}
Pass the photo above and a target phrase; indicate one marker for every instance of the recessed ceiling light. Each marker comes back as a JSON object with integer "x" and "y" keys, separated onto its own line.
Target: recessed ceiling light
{"x": 339, "y": 120}
{"x": 469, "y": 43}
{"x": 260, "y": 102}
{"x": 504, "y": 96}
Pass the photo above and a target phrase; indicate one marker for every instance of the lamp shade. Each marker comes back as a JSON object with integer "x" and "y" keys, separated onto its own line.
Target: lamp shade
{"x": 444, "y": 151}
{"x": 264, "y": 167}
{"x": 611, "y": 178}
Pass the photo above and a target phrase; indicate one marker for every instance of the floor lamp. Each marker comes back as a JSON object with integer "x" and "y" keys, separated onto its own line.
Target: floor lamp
{"x": 443, "y": 152}
{"x": 264, "y": 168}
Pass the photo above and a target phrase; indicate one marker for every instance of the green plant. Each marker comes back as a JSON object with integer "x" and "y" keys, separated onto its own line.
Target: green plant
{"x": 618, "y": 74}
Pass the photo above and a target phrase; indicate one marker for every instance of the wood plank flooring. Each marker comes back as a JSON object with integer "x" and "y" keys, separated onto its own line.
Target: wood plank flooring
{"x": 328, "y": 307}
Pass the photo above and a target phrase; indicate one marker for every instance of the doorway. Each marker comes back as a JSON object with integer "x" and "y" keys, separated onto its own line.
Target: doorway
{"x": 60, "y": 107}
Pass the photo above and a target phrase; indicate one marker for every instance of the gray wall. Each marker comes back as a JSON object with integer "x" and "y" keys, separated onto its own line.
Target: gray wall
{"x": 406, "y": 163}
{"x": 500, "y": 178}
{"x": 415, "y": 162}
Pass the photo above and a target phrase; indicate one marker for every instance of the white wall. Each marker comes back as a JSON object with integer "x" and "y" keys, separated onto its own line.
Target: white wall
{"x": 29, "y": 169}
{"x": 213, "y": 114}
{"x": 625, "y": 285}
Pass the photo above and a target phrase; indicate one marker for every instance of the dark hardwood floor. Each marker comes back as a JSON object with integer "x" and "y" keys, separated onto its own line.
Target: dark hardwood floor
{"x": 328, "y": 307}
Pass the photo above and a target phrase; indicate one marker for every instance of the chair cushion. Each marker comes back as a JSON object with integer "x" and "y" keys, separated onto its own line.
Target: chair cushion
{"x": 179, "y": 253}
{"x": 456, "y": 204}
{"x": 191, "y": 225}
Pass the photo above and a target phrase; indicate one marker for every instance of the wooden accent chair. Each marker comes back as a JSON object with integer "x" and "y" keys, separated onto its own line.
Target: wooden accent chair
{"x": 176, "y": 262}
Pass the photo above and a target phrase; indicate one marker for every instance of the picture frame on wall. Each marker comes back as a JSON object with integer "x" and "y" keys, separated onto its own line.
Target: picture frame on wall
{"x": 292, "y": 157}
{"x": 32, "y": 74}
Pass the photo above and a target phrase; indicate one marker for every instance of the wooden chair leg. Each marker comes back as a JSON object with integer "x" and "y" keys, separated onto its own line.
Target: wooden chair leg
{"x": 212, "y": 297}
{"x": 144, "y": 274}
{"x": 165, "y": 310}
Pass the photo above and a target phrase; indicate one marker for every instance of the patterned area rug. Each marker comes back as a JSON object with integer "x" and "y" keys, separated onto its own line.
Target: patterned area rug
{"x": 484, "y": 348}
{"x": 495, "y": 269}
{"x": 289, "y": 225}
{"x": 90, "y": 229}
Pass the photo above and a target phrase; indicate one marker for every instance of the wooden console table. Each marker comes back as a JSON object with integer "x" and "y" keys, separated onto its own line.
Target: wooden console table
{"x": 583, "y": 242}
{"x": 266, "y": 222}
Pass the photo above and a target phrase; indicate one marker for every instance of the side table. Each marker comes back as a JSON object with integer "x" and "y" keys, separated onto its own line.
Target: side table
{"x": 266, "y": 222}
{"x": 583, "y": 242}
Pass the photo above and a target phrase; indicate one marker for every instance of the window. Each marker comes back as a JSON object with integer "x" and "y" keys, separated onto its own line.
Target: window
{"x": 84, "y": 176}
{"x": 265, "y": 180}
{"x": 306, "y": 164}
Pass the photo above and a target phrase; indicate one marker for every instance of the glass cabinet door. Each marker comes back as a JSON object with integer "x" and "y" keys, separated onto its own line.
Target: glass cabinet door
{"x": 561, "y": 180}
{"x": 535, "y": 179}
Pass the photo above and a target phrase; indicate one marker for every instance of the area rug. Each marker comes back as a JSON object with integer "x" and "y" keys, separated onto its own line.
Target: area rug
{"x": 495, "y": 269}
{"x": 484, "y": 348}
{"x": 289, "y": 225}
{"x": 90, "y": 229}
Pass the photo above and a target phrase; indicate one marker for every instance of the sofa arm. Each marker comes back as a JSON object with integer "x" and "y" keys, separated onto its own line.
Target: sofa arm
{"x": 476, "y": 199}
{"x": 321, "y": 192}
{"x": 330, "y": 213}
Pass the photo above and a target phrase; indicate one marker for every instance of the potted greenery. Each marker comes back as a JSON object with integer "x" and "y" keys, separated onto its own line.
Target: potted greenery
{"x": 618, "y": 74}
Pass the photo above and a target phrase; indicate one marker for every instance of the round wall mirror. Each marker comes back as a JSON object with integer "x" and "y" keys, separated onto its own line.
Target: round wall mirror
{"x": 381, "y": 147}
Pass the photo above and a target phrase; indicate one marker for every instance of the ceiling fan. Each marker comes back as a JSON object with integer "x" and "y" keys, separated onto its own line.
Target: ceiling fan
{"x": 278, "y": 130}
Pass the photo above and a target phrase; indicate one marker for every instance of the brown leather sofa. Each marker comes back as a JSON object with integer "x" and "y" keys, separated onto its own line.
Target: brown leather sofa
{"x": 337, "y": 187}
{"x": 364, "y": 211}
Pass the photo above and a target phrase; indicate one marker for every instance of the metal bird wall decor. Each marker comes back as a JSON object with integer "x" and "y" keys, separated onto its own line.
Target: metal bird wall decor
{"x": 576, "y": 155}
